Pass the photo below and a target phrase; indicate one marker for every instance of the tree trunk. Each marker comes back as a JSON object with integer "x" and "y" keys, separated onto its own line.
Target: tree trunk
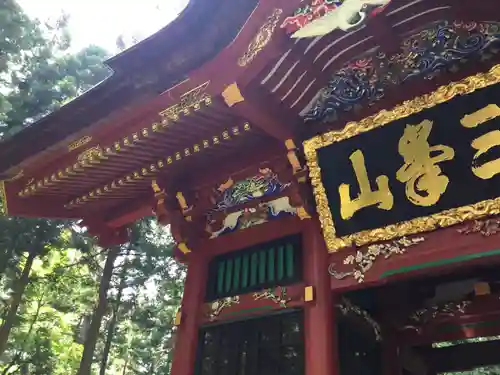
{"x": 19, "y": 288}
{"x": 17, "y": 357}
{"x": 114, "y": 318}
{"x": 93, "y": 332}
{"x": 109, "y": 341}
{"x": 125, "y": 366}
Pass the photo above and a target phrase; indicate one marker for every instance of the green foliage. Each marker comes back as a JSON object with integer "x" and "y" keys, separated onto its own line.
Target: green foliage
{"x": 61, "y": 266}
{"x": 53, "y": 303}
{"x": 37, "y": 75}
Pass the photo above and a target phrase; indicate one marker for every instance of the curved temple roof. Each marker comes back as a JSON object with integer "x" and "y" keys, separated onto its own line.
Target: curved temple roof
{"x": 140, "y": 73}
{"x": 224, "y": 86}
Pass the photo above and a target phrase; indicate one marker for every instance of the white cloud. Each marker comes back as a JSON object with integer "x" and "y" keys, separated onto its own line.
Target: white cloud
{"x": 102, "y": 21}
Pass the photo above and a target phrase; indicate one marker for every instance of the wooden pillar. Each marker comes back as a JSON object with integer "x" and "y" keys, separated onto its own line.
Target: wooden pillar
{"x": 321, "y": 351}
{"x": 390, "y": 354}
{"x": 390, "y": 345}
{"x": 187, "y": 335}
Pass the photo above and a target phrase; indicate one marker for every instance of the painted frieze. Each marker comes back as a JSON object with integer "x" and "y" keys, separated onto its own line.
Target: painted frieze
{"x": 250, "y": 217}
{"x": 234, "y": 193}
{"x": 260, "y": 187}
{"x": 439, "y": 47}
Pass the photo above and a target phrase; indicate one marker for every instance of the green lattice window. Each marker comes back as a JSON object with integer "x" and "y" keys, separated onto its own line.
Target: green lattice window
{"x": 256, "y": 268}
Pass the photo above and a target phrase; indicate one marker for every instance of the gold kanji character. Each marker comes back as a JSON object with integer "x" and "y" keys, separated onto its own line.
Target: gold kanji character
{"x": 420, "y": 171}
{"x": 382, "y": 197}
{"x": 485, "y": 142}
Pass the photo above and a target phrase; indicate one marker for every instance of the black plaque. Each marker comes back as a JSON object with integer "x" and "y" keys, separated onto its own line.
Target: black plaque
{"x": 454, "y": 166}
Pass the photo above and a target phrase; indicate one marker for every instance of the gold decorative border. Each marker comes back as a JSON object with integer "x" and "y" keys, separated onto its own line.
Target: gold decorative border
{"x": 261, "y": 39}
{"x": 189, "y": 102}
{"x": 414, "y": 226}
{"x": 3, "y": 199}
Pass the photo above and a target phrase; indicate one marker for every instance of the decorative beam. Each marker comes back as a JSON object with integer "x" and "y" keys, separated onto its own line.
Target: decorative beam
{"x": 106, "y": 236}
{"x": 172, "y": 208}
{"x": 189, "y": 103}
{"x": 229, "y": 167}
{"x": 261, "y": 110}
{"x": 152, "y": 170}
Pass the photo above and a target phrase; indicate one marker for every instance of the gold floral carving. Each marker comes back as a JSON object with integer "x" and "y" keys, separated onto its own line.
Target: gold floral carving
{"x": 79, "y": 143}
{"x": 488, "y": 227}
{"x": 90, "y": 154}
{"x": 352, "y": 129}
{"x": 425, "y": 315}
{"x": 363, "y": 262}
{"x": 260, "y": 41}
{"x": 346, "y": 307}
{"x": 191, "y": 100}
{"x": 232, "y": 95}
{"x": 218, "y": 306}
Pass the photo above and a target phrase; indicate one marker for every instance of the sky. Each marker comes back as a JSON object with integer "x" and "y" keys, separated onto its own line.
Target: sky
{"x": 100, "y": 22}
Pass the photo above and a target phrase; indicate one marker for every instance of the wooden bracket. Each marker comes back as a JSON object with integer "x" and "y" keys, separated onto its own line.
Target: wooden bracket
{"x": 178, "y": 318}
{"x": 232, "y": 95}
{"x": 309, "y": 294}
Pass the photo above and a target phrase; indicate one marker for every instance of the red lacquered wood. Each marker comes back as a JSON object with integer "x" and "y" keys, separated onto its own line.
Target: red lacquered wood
{"x": 248, "y": 306}
{"x": 319, "y": 315}
{"x": 187, "y": 334}
{"x": 252, "y": 236}
{"x": 439, "y": 253}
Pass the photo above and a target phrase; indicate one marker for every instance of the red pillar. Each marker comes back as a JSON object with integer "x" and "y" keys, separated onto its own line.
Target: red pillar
{"x": 187, "y": 335}
{"x": 319, "y": 315}
{"x": 390, "y": 355}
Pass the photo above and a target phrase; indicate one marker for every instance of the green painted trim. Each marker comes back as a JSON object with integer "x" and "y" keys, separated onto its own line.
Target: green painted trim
{"x": 246, "y": 266}
{"x": 270, "y": 265}
{"x": 262, "y": 266}
{"x": 237, "y": 273}
{"x": 290, "y": 261}
{"x": 281, "y": 263}
{"x": 254, "y": 264}
{"x": 220, "y": 277}
{"x": 438, "y": 263}
{"x": 229, "y": 275}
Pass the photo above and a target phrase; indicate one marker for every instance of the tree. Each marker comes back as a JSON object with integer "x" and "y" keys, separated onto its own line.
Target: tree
{"x": 145, "y": 334}
{"x": 39, "y": 81}
{"x": 114, "y": 314}
{"x": 100, "y": 310}
{"x": 33, "y": 237}
{"x": 49, "y": 270}
{"x": 139, "y": 323}
{"x": 62, "y": 287}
